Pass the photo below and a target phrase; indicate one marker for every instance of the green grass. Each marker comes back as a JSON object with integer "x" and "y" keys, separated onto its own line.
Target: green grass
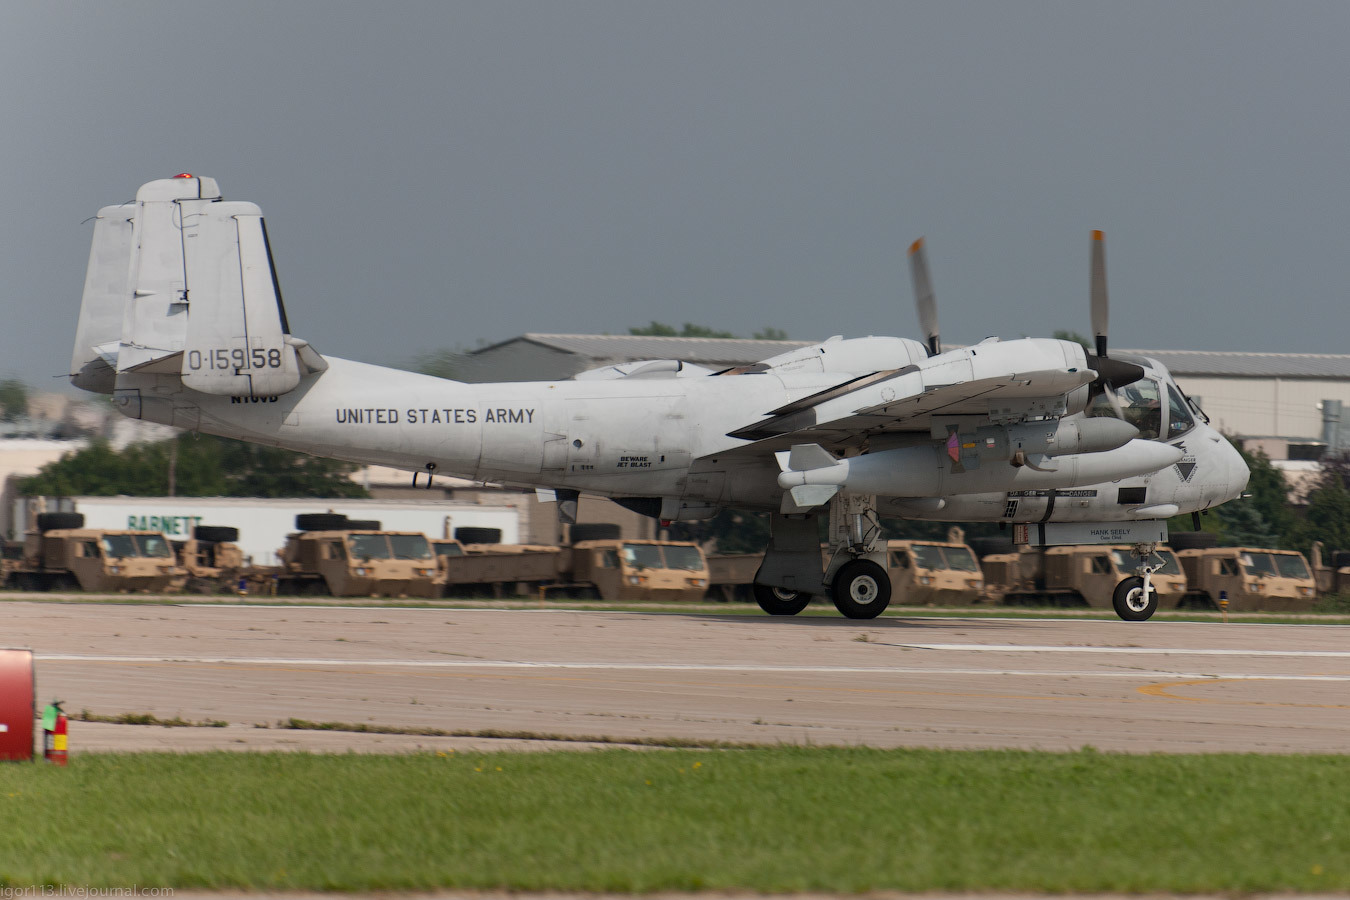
{"x": 786, "y": 819}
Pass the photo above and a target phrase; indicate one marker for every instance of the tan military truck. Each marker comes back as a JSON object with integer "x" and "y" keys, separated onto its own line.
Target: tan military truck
{"x": 331, "y": 554}
{"x": 597, "y": 565}
{"x": 1250, "y": 578}
{"x": 61, "y": 554}
{"x": 215, "y": 564}
{"x": 933, "y": 573}
{"x": 1331, "y": 579}
{"x": 476, "y": 564}
{"x": 1092, "y": 575}
{"x": 638, "y": 570}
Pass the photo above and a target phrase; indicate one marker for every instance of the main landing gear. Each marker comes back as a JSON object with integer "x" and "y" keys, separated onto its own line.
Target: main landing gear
{"x": 855, "y": 578}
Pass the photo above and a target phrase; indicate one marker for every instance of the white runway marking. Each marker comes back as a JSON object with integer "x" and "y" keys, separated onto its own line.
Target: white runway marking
{"x": 1146, "y": 651}
{"x": 672, "y": 667}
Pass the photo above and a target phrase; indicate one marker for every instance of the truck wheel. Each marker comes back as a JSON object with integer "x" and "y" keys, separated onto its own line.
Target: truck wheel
{"x": 320, "y": 522}
{"x": 780, "y": 601}
{"x": 472, "y": 535}
{"x": 861, "y": 589}
{"x": 49, "y": 521}
{"x": 216, "y": 533}
{"x": 1130, "y": 602}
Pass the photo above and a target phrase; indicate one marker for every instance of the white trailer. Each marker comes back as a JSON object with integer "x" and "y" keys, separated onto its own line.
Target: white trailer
{"x": 263, "y": 523}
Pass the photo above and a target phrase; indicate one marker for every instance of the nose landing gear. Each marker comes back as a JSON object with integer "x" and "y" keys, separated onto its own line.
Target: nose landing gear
{"x": 1135, "y": 599}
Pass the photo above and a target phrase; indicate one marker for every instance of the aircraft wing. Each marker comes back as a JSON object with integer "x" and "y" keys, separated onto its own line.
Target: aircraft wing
{"x": 907, "y": 400}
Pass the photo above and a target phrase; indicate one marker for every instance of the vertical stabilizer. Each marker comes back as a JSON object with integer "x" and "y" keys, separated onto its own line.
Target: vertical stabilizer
{"x": 236, "y": 342}
{"x": 182, "y": 282}
{"x": 107, "y": 288}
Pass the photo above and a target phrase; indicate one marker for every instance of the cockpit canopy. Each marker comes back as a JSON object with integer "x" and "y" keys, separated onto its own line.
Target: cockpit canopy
{"x": 1154, "y": 405}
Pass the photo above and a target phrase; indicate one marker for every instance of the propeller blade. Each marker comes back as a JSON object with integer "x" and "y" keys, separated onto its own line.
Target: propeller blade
{"x": 1114, "y": 373}
{"x": 923, "y": 295}
{"x": 1101, "y": 307}
{"x": 1113, "y": 400}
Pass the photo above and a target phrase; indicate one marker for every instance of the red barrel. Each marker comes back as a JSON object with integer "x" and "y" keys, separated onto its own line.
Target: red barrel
{"x": 17, "y": 705}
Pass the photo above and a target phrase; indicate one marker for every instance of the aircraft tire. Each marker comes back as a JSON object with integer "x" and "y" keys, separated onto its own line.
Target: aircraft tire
{"x": 780, "y": 602}
{"x": 861, "y": 589}
{"x": 1129, "y": 603}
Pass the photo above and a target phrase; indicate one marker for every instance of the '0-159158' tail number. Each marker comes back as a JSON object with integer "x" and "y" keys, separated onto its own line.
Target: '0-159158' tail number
{"x": 236, "y": 359}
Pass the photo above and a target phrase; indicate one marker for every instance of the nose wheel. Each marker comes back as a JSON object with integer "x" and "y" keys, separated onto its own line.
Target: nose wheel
{"x": 861, "y": 589}
{"x": 1135, "y": 598}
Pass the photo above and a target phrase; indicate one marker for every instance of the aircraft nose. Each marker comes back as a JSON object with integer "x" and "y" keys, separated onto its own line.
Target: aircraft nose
{"x": 1238, "y": 472}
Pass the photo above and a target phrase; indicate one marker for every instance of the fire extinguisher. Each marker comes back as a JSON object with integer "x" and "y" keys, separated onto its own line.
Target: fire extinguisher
{"x": 54, "y": 733}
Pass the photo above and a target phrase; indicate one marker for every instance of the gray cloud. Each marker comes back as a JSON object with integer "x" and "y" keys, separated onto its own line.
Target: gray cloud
{"x": 436, "y": 174}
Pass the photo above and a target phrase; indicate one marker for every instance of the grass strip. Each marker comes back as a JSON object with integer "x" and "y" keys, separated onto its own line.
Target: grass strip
{"x": 507, "y": 735}
{"x": 779, "y": 820}
{"x": 144, "y": 718}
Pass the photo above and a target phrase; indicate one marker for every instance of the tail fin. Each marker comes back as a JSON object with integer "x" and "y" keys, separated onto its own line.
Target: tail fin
{"x": 182, "y": 282}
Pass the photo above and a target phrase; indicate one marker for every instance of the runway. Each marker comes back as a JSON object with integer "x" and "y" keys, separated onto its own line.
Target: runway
{"x": 894, "y": 682}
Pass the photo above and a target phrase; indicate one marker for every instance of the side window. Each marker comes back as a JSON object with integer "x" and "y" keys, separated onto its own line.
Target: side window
{"x": 609, "y": 559}
{"x": 1179, "y": 419}
{"x": 1228, "y": 566}
{"x": 89, "y": 549}
{"x": 335, "y": 550}
{"x": 899, "y": 559}
{"x": 1101, "y": 565}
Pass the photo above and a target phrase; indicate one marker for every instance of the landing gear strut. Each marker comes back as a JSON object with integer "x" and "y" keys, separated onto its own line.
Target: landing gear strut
{"x": 855, "y": 578}
{"x": 859, "y": 584}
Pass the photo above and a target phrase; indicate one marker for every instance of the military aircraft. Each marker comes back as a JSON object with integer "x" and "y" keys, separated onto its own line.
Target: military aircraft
{"x": 182, "y": 322}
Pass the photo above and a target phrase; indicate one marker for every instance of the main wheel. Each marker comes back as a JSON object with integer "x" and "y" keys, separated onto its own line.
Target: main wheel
{"x": 780, "y": 601}
{"x": 861, "y": 589}
{"x": 1130, "y": 602}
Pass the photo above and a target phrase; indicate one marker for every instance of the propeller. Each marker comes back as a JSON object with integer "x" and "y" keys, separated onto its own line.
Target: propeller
{"x": 1101, "y": 306}
{"x": 923, "y": 296}
{"x": 1111, "y": 373}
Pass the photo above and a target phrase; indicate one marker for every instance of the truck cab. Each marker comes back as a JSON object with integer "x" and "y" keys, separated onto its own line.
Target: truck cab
{"x": 933, "y": 573}
{"x": 638, "y": 570}
{"x": 94, "y": 559}
{"x": 1250, "y": 578}
{"x": 346, "y": 562}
